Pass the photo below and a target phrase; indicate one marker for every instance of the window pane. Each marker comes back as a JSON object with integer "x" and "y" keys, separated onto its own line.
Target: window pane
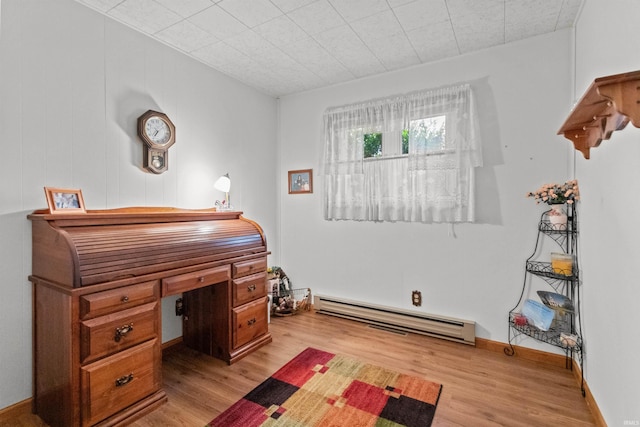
{"x": 405, "y": 142}
{"x": 429, "y": 134}
{"x": 372, "y": 145}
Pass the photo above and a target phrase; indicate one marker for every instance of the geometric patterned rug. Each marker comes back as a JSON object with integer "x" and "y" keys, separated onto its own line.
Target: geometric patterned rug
{"x": 317, "y": 389}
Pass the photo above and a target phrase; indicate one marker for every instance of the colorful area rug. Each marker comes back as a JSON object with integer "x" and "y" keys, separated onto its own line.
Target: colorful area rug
{"x": 317, "y": 388}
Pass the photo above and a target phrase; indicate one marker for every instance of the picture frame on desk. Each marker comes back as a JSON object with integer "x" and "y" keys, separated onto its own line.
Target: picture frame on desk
{"x": 64, "y": 200}
{"x": 301, "y": 181}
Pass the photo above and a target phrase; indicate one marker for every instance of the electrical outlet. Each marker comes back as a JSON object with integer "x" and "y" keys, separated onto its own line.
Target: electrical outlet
{"x": 179, "y": 307}
{"x": 416, "y": 298}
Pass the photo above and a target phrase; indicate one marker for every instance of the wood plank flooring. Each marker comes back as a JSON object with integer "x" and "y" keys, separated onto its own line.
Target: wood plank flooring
{"x": 480, "y": 387}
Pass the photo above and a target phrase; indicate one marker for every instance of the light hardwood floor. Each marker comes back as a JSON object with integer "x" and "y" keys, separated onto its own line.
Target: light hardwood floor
{"x": 480, "y": 387}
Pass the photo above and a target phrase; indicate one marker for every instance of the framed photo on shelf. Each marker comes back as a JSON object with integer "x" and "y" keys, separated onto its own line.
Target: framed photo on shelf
{"x": 301, "y": 181}
{"x": 64, "y": 200}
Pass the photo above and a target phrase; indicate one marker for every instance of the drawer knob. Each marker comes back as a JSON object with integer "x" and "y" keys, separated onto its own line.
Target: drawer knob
{"x": 201, "y": 279}
{"x": 251, "y": 288}
{"x": 124, "y": 380}
{"x": 122, "y": 331}
{"x": 251, "y": 321}
{"x": 124, "y": 299}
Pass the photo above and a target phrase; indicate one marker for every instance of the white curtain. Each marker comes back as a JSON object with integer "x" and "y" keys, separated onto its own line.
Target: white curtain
{"x": 426, "y": 185}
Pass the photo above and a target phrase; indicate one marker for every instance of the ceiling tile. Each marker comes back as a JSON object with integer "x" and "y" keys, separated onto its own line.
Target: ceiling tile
{"x": 396, "y": 3}
{"x": 288, "y": 5}
{"x": 347, "y": 48}
{"x": 421, "y": 13}
{"x": 186, "y": 8}
{"x": 251, "y": 13}
{"x": 568, "y": 13}
{"x": 218, "y": 22}
{"x": 254, "y": 46}
{"x": 101, "y": 5}
{"x": 395, "y": 52}
{"x": 527, "y": 18}
{"x": 145, "y": 15}
{"x": 352, "y": 10}
{"x": 186, "y": 36}
{"x": 223, "y": 57}
{"x": 281, "y": 31}
{"x": 434, "y": 42}
{"x": 376, "y": 27}
{"x": 309, "y": 52}
{"x": 317, "y": 17}
{"x": 477, "y": 25}
{"x": 384, "y": 36}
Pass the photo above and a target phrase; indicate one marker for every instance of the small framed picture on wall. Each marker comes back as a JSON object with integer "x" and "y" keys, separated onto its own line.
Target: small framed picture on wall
{"x": 64, "y": 200}
{"x": 301, "y": 181}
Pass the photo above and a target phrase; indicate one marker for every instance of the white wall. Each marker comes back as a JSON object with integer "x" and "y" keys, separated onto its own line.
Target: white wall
{"x": 607, "y": 43}
{"x": 474, "y": 271}
{"x": 72, "y": 84}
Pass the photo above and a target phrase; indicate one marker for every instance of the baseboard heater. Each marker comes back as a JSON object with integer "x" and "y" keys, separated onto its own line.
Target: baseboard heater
{"x": 463, "y": 331}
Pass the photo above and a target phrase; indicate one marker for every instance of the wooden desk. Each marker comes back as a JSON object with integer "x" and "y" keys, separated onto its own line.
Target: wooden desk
{"x": 97, "y": 283}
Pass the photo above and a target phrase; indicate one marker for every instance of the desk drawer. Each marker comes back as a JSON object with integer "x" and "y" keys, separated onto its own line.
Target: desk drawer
{"x": 109, "y": 334}
{"x": 101, "y": 303}
{"x": 249, "y": 322}
{"x": 249, "y": 288}
{"x": 197, "y": 279}
{"x": 252, "y": 266}
{"x": 112, "y": 384}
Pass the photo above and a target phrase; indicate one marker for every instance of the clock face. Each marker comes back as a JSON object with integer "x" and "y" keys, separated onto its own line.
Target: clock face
{"x": 157, "y": 130}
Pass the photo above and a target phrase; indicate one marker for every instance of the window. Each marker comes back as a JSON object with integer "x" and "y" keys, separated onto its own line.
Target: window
{"x": 407, "y": 158}
{"x": 429, "y": 132}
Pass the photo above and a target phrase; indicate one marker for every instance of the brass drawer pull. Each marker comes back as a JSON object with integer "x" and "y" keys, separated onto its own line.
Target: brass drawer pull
{"x": 251, "y": 321}
{"x": 122, "y": 331}
{"x": 251, "y": 288}
{"x": 124, "y": 380}
{"x": 201, "y": 279}
{"x": 124, "y": 299}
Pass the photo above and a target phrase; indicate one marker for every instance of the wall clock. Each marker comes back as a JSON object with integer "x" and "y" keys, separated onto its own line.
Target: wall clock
{"x": 158, "y": 134}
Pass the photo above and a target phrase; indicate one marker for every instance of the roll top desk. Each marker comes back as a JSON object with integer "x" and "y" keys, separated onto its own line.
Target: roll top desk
{"x": 97, "y": 283}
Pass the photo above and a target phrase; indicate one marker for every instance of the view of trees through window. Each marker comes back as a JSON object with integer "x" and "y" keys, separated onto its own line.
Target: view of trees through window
{"x": 372, "y": 145}
{"x": 429, "y": 134}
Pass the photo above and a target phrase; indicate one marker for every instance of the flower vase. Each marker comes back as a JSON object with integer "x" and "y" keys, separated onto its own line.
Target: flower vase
{"x": 557, "y": 217}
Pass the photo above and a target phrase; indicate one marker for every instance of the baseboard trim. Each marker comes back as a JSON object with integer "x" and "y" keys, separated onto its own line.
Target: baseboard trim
{"x": 11, "y": 413}
{"x": 591, "y": 401}
{"x": 550, "y": 359}
{"x": 168, "y": 344}
{"x": 523, "y": 352}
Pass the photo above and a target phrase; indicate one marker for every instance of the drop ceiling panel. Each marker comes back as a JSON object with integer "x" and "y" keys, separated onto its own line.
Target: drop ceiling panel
{"x": 353, "y": 10}
{"x": 148, "y": 16}
{"x": 418, "y": 14}
{"x": 281, "y": 31}
{"x": 186, "y": 8}
{"x": 434, "y": 42}
{"x": 186, "y": 36}
{"x": 287, "y": 46}
{"x": 251, "y": 13}
{"x": 343, "y": 43}
{"x": 317, "y": 17}
{"x": 218, "y": 22}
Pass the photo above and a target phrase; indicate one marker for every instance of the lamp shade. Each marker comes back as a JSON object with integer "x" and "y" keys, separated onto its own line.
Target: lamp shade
{"x": 223, "y": 183}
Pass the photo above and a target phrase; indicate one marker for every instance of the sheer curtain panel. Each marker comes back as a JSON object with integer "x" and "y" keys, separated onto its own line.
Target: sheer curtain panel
{"x": 424, "y": 171}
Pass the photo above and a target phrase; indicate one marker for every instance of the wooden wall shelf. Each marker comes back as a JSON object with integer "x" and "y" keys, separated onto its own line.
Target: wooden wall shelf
{"x": 608, "y": 105}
